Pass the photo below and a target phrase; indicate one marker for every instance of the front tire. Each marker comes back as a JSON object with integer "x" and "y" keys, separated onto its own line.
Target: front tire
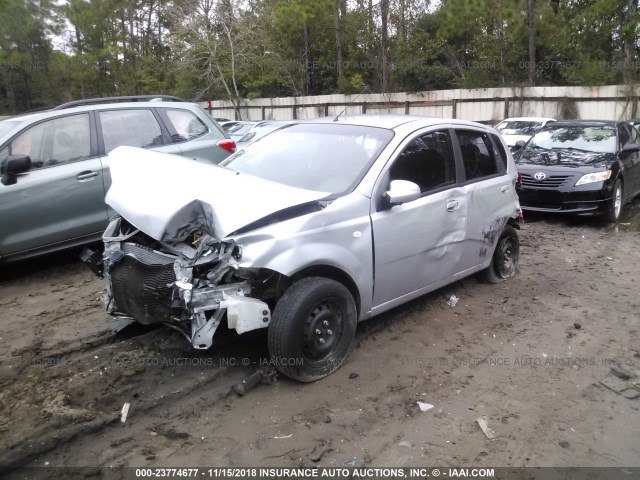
{"x": 615, "y": 206}
{"x": 312, "y": 328}
{"x": 504, "y": 262}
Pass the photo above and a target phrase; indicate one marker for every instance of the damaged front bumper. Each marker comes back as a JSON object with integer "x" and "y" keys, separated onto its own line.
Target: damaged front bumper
{"x": 187, "y": 286}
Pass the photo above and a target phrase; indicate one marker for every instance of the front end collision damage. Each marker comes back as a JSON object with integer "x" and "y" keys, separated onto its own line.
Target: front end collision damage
{"x": 188, "y": 288}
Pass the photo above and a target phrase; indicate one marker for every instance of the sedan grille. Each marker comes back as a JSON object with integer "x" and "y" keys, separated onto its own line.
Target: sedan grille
{"x": 142, "y": 284}
{"x": 552, "y": 181}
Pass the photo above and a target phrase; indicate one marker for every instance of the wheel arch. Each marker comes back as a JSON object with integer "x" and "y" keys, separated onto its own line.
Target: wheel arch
{"x": 621, "y": 178}
{"x": 333, "y": 273}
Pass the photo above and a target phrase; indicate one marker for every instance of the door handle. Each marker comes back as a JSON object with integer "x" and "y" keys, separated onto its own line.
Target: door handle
{"x": 452, "y": 205}
{"x": 86, "y": 176}
{"x": 504, "y": 189}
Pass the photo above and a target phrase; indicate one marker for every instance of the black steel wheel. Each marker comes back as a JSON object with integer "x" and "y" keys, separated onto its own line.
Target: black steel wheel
{"x": 312, "y": 329}
{"x": 504, "y": 262}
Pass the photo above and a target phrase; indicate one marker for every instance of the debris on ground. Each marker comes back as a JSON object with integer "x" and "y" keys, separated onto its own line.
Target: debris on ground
{"x": 424, "y": 406}
{"x": 125, "y": 412}
{"x": 405, "y": 443}
{"x": 453, "y": 301}
{"x": 484, "y": 426}
{"x": 350, "y": 463}
{"x": 353, "y": 375}
{"x": 577, "y": 326}
{"x": 262, "y": 376}
{"x": 563, "y": 444}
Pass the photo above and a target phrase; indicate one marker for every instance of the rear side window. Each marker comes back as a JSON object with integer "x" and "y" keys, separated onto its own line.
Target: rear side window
{"x": 133, "y": 128}
{"x": 499, "y": 150}
{"x": 53, "y": 142}
{"x": 426, "y": 161}
{"x": 186, "y": 125}
{"x": 477, "y": 154}
{"x": 625, "y": 137}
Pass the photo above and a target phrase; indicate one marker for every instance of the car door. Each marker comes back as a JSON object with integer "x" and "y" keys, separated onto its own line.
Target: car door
{"x": 418, "y": 244}
{"x": 134, "y": 127}
{"x": 489, "y": 193}
{"x": 630, "y": 160}
{"x": 61, "y": 198}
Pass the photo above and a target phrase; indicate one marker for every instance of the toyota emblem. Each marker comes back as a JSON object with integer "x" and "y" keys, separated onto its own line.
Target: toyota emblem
{"x": 539, "y": 176}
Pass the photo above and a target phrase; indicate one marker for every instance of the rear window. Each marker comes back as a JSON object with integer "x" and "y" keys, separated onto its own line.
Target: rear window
{"x": 133, "y": 128}
{"x": 500, "y": 152}
{"x": 477, "y": 154}
{"x": 186, "y": 125}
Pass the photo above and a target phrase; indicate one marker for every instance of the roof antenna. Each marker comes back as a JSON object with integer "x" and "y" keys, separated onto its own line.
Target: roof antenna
{"x": 364, "y": 89}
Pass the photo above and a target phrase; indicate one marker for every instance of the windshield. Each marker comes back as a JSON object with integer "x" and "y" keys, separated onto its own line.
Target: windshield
{"x": 519, "y": 127}
{"x": 587, "y": 138}
{"x": 7, "y": 125}
{"x": 326, "y": 158}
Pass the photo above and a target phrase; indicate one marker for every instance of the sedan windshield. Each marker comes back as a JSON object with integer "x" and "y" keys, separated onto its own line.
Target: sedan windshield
{"x": 519, "y": 127}
{"x": 579, "y": 137}
{"x": 321, "y": 157}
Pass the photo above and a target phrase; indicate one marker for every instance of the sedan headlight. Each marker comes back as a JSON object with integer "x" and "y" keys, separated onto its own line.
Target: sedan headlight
{"x": 594, "y": 177}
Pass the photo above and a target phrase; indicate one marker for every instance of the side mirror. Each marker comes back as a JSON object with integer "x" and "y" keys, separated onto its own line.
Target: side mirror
{"x": 402, "y": 191}
{"x": 13, "y": 166}
{"x": 520, "y": 144}
{"x": 631, "y": 148}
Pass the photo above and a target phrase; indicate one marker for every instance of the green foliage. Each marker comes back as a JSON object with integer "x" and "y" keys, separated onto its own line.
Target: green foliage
{"x": 51, "y": 52}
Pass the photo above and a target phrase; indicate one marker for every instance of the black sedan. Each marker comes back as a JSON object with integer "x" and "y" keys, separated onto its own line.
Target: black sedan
{"x": 580, "y": 167}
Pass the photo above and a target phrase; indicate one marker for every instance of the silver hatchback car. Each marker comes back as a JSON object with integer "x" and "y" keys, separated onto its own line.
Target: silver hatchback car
{"x": 309, "y": 230}
{"x": 55, "y": 168}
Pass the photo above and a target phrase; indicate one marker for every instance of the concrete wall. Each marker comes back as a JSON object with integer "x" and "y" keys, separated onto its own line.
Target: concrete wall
{"x": 613, "y": 102}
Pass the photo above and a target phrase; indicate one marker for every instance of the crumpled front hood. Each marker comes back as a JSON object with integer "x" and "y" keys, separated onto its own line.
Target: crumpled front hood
{"x": 168, "y": 197}
{"x": 563, "y": 157}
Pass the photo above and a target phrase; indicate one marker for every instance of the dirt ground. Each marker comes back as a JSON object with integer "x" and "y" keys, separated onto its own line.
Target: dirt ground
{"x": 526, "y": 355}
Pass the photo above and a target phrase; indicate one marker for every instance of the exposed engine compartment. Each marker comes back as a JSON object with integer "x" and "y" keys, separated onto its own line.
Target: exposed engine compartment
{"x": 188, "y": 286}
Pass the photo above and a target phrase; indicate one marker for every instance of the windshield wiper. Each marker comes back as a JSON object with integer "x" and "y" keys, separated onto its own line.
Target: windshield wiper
{"x": 573, "y": 149}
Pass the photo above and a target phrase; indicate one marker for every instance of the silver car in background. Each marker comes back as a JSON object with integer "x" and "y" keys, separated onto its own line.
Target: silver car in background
{"x": 315, "y": 227}
{"x": 262, "y": 129}
{"x": 518, "y": 130}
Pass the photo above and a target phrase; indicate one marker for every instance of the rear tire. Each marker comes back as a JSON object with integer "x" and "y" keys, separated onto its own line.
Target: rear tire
{"x": 312, "y": 329}
{"x": 615, "y": 206}
{"x": 504, "y": 262}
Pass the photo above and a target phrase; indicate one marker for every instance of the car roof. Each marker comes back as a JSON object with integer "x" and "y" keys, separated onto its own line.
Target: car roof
{"x": 52, "y": 113}
{"x": 392, "y": 121}
{"x": 587, "y": 123}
